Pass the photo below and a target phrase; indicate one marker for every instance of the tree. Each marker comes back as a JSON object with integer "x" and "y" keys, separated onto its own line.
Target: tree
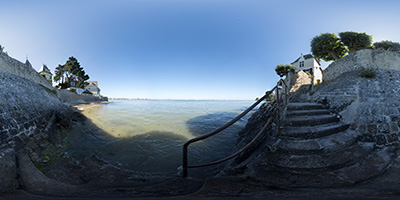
{"x": 327, "y": 46}
{"x": 387, "y": 45}
{"x": 283, "y": 70}
{"x": 69, "y": 73}
{"x": 354, "y": 40}
{"x": 60, "y": 74}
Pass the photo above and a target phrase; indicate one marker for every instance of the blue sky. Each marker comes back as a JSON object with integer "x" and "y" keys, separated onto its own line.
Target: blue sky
{"x": 183, "y": 49}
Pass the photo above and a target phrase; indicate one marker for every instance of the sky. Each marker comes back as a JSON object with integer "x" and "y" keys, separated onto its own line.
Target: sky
{"x": 183, "y": 49}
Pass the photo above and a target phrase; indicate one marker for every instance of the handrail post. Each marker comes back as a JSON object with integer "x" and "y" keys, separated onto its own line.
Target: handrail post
{"x": 286, "y": 93}
{"x": 185, "y": 161}
{"x": 277, "y": 106}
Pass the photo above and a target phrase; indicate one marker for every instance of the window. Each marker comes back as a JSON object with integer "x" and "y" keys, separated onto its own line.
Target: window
{"x": 301, "y": 63}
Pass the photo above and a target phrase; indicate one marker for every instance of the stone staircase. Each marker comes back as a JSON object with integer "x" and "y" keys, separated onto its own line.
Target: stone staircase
{"x": 314, "y": 149}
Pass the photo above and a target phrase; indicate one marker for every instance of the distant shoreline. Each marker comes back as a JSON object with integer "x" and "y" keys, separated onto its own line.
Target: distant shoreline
{"x": 149, "y": 99}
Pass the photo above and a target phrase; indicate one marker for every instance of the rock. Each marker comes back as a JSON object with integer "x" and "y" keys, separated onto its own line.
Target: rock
{"x": 8, "y": 170}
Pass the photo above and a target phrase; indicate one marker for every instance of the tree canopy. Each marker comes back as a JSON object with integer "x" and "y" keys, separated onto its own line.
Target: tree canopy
{"x": 70, "y": 74}
{"x": 328, "y": 47}
{"x": 283, "y": 70}
{"x": 354, "y": 40}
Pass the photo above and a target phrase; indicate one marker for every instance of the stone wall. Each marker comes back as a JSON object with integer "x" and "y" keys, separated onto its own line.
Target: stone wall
{"x": 73, "y": 98}
{"x": 13, "y": 66}
{"x": 32, "y": 118}
{"x": 370, "y": 105}
{"x": 295, "y": 80}
{"x": 25, "y": 110}
{"x": 365, "y": 58}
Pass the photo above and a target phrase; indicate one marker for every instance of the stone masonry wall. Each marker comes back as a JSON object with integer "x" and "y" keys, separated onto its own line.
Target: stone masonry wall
{"x": 73, "y": 98}
{"x": 370, "y": 105}
{"x": 13, "y": 66}
{"x": 295, "y": 80}
{"x": 365, "y": 58}
{"x": 25, "y": 110}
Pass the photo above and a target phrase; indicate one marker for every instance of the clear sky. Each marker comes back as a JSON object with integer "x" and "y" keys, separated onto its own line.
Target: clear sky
{"x": 183, "y": 49}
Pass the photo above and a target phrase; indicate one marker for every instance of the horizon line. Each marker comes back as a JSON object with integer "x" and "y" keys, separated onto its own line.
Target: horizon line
{"x": 127, "y": 98}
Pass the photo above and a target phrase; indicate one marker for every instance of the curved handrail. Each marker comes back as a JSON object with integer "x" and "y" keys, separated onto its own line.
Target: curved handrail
{"x": 241, "y": 150}
{"x": 185, "y": 165}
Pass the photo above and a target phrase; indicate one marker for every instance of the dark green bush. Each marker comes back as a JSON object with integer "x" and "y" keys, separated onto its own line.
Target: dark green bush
{"x": 387, "y": 45}
{"x": 367, "y": 73}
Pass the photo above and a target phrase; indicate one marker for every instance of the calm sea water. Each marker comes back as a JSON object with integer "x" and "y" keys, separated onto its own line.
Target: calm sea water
{"x": 147, "y": 135}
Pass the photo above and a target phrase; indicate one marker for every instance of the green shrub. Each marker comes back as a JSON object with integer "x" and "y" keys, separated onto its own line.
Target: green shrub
{"x": 367, "y": 73}
{"x": 387, "y": 45}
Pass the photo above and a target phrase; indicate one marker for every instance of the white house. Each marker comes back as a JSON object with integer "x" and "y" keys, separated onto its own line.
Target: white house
{"x": 45, "y": 71}
{"x": 308, "y": 63}
{"x": 93, "y": 87}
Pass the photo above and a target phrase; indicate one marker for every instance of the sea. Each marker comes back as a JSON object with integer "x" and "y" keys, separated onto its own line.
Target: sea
{"x": 148, "y": 135}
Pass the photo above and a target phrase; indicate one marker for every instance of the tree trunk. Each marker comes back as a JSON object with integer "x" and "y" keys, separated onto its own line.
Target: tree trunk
{"x": 334, "y": 55}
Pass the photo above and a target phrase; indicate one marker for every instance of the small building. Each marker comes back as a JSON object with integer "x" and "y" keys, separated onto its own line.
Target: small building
{"x": 308, "y": 63}
{"x": 45, "y": 71}
{"x": 93, "y": 87}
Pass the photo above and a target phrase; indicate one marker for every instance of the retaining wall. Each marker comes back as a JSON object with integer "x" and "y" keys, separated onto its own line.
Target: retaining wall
{"x": 73, "y": 98}
{"x": 25, "y": 111}
{"x": 13, "y": 66}
{"x": 365, "y": 58}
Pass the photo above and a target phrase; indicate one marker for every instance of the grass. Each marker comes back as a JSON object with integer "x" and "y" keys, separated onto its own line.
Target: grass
{"x": 367, "y": 73}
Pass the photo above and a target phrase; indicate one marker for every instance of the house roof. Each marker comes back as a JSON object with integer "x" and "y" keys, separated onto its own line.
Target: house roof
{"x": 28, "y": 63}
{"x": 44, "y": 68}
{"x": 307, "y": 56}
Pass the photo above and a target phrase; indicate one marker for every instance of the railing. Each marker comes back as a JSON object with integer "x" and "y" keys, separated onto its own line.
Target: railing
{"x": 278, "y": 101}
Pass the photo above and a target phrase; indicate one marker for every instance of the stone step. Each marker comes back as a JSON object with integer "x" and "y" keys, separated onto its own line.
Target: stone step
{"x": 304, "y": 106}
{"x": 310, "y": 120}
{"x": 325, "y": 144}
{"x": 371, "y": 166}
{"x": 306, "y": 112}
{"x": 308, "y": 132}
{"x": 331, "y": 160}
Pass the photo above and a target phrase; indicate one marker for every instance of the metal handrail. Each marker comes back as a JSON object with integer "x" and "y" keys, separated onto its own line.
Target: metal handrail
{"x": 185, "y": 165}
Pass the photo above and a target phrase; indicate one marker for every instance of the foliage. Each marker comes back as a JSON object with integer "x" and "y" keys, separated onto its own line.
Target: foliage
{"x": 367, "y": 73}
{"x": 70, "y": 72}
{"x": 354, "y": 40}
{"x": 387, "y": 45}
{"x": 270, "y": 97}
{"x": 328, "y": 47}
{"x": 44, "y": 76}
{"x": 283, "y": 70}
